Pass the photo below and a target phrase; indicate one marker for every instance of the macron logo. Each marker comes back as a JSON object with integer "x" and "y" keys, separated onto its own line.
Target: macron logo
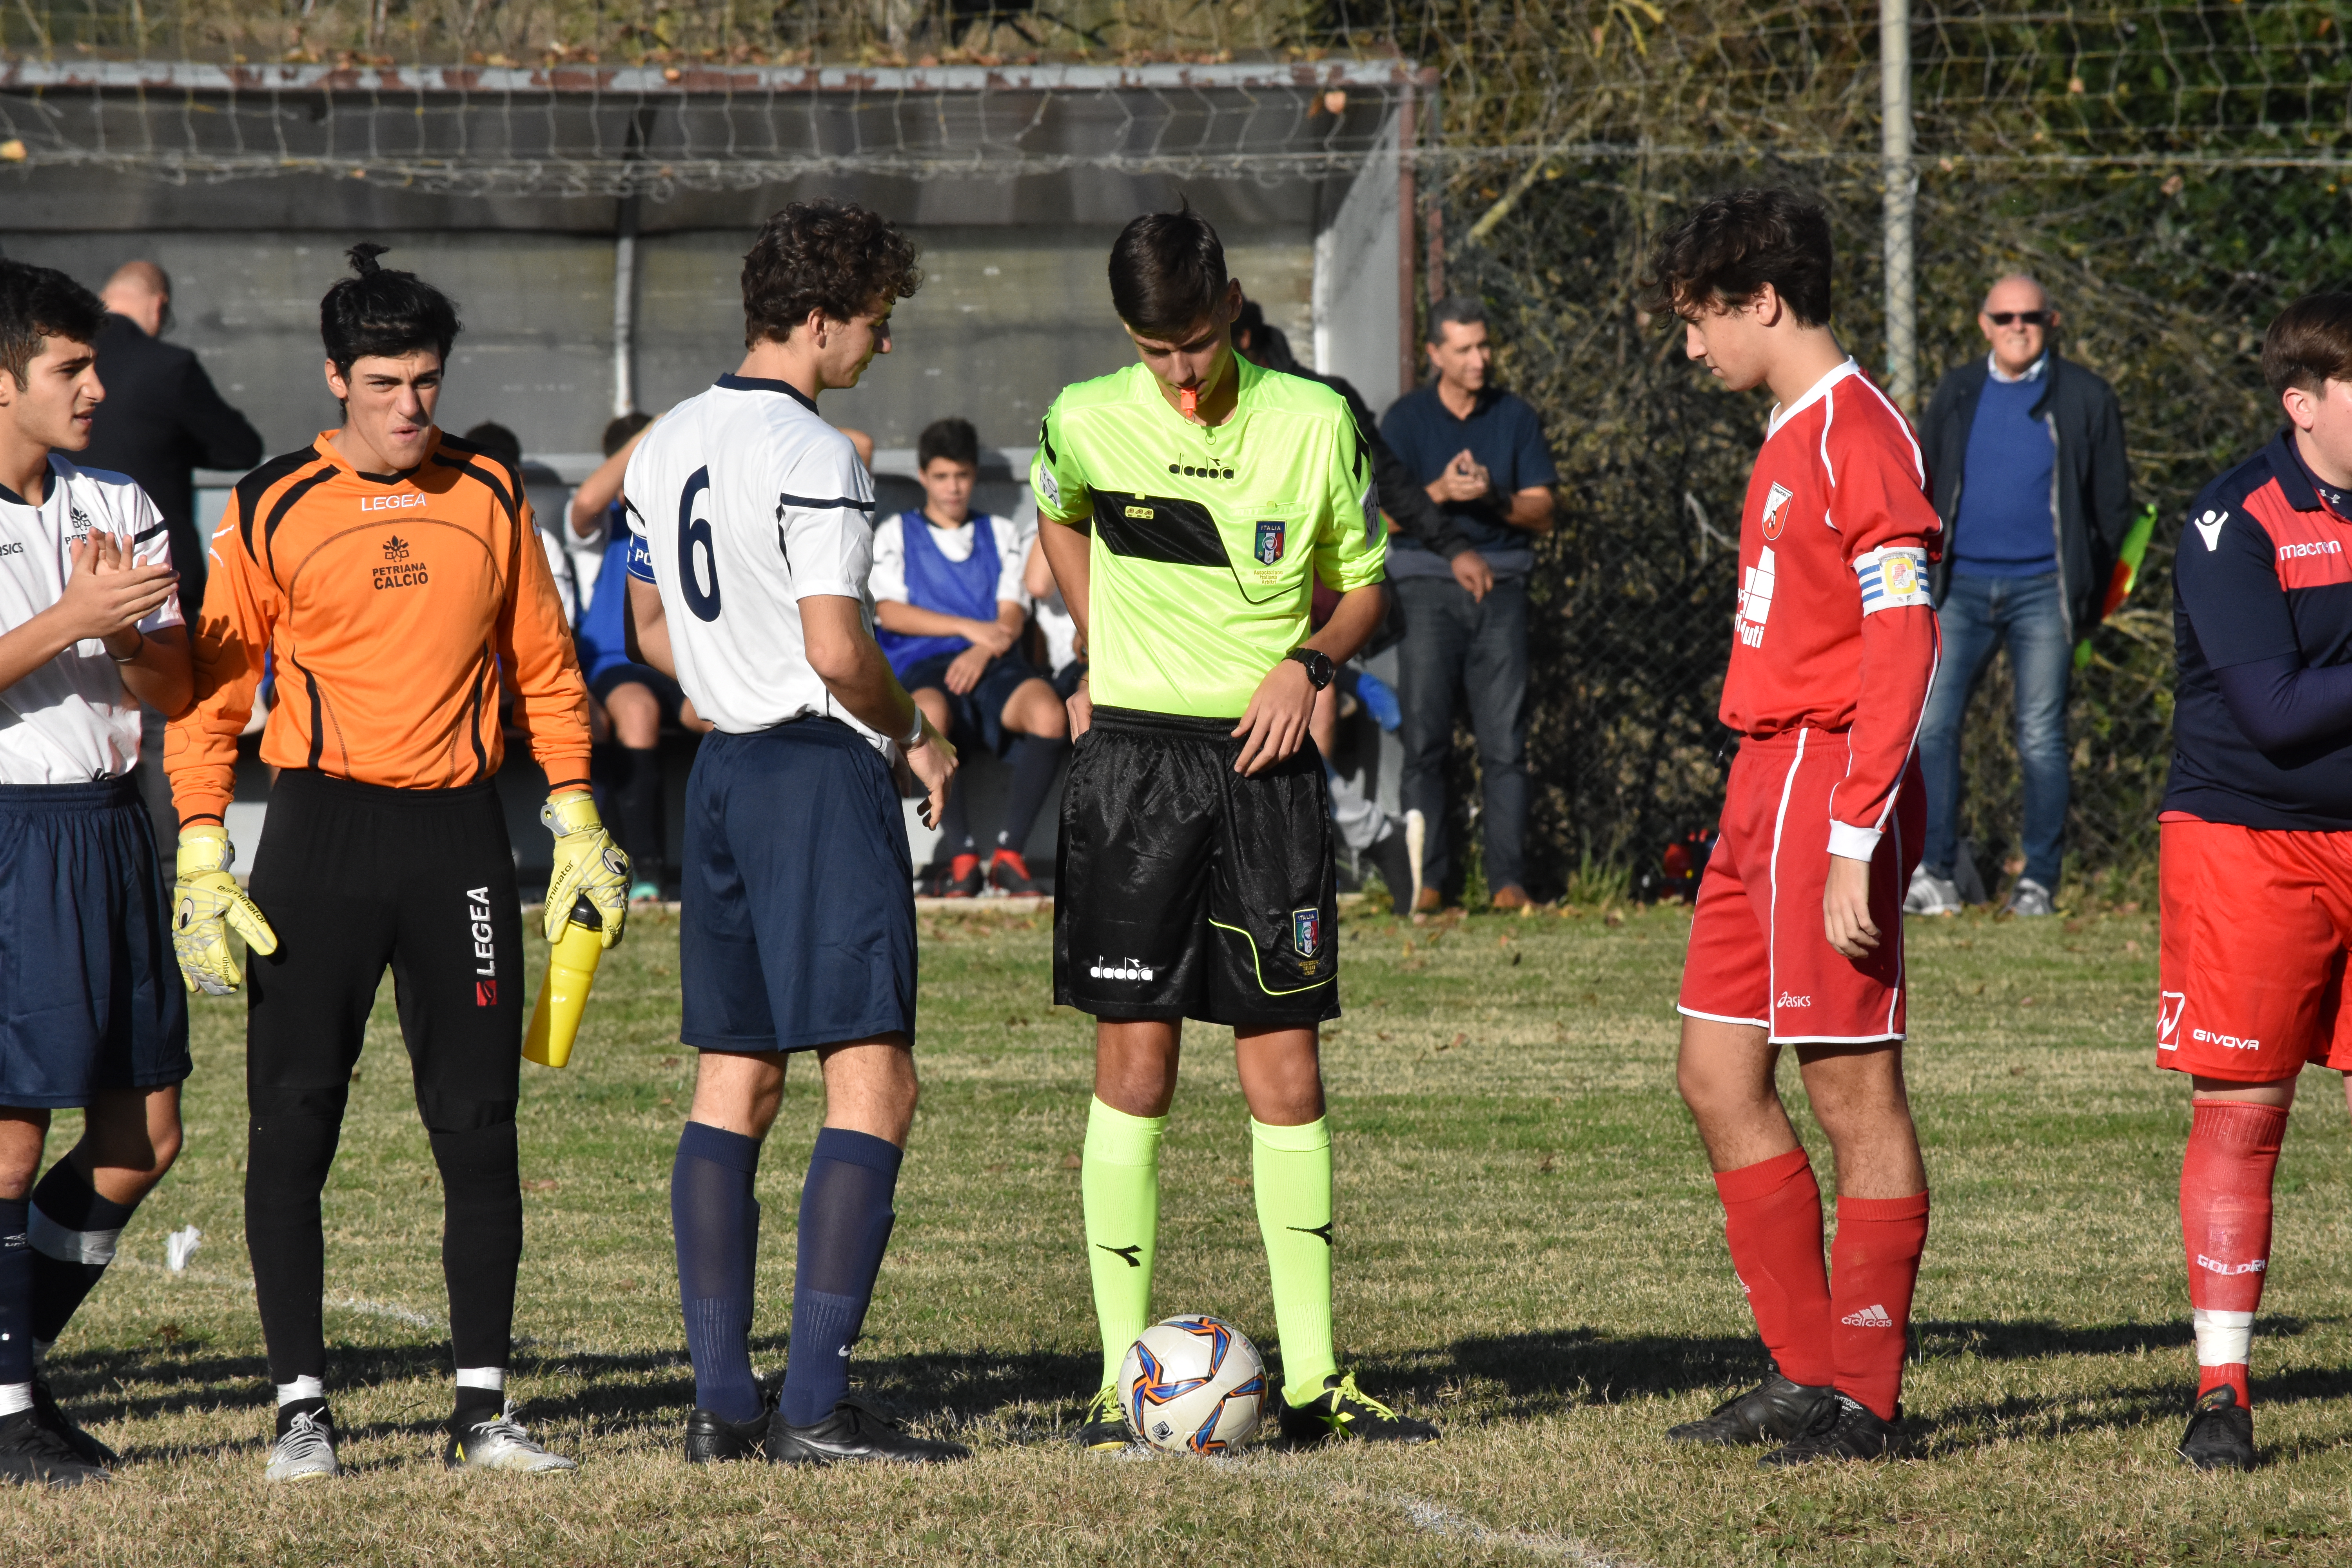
{"x": 1874, "y": 1316}
{"x": 2209, "y": 528}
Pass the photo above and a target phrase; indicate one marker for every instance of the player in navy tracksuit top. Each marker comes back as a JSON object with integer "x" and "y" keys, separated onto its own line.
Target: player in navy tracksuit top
{"x": 949, "y": 594}
{"x": 2256, "y": 881}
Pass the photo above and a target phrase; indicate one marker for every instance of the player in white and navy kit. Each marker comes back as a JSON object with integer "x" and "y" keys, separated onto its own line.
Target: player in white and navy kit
{"x": 92, "y": 1014}
{"x": 756, "y": 521}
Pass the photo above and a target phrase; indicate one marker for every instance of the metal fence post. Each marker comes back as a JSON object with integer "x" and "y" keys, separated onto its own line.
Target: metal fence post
{"x": 1901, "y": 188}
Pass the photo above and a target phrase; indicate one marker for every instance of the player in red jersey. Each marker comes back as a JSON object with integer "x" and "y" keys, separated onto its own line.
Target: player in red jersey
{"x": 1797, "y": 938}
{"x": 2256, "y": 877}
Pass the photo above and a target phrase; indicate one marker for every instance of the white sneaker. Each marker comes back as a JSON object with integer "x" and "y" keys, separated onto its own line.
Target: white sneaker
{"x": 2029, "y": 898}
{"x": 1931, "y": 894}
{"x": 500, "y": 1443}
{"x": 307, "y": 1448}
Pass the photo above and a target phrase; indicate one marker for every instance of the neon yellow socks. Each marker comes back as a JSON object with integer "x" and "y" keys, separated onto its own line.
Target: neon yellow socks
{"x": 1120, "y": 1182}
{"x": 1291, "y": 1169}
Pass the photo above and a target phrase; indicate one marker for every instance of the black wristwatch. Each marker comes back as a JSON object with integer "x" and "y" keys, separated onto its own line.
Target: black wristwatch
{"x": 1319, "y": 668}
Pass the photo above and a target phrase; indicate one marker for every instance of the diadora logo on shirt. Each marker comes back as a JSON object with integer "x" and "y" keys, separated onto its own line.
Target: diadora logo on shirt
{"x": 1201, "y": 471}
{"x": 1776, "y": 509}
{"x": 1119, "y": 969}
{"x": 396, "y": 500}
{"x": 398, "y": 570}
{"x": 1874, "y": 1316}
{"x": 485, "y": 951}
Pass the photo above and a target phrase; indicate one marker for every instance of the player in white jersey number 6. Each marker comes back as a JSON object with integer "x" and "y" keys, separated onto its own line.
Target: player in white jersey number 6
{"x": 754, "y": 536}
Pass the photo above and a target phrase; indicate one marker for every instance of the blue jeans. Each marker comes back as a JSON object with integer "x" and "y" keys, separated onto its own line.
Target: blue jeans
{"x": 1978, "y": 613}
{"x": 1480, "y": 649}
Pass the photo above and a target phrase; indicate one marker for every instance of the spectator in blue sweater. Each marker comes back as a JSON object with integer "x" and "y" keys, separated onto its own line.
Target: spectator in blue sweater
{"x": 2025, "y": 457}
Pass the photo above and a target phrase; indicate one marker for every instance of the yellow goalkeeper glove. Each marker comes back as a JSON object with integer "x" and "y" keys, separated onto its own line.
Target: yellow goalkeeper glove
{"x": 206, "y": 902}
{"x": 588, "y": 865}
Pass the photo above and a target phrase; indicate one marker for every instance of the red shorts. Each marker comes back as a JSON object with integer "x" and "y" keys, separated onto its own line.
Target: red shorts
{"x": 2256, "y": 922}
{"x": 1759, "y": 953}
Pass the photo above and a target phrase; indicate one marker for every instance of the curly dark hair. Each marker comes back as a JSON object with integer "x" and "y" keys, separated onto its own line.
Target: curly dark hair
{"x": 824, "y": 255}
{"x": 379, "y": 312}
{"x": 37, "y": 303}
{"x": 1729, "y": 250}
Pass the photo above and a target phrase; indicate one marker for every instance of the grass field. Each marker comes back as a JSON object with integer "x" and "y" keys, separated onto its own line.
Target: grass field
{"x": 1529, "y": 1252}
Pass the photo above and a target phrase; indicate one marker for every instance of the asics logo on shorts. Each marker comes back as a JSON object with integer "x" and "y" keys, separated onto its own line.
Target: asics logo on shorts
{"x": 2216, "y": 1266}
{"x": 1125, "y": 969}
{"x": 1787, "y": 1000}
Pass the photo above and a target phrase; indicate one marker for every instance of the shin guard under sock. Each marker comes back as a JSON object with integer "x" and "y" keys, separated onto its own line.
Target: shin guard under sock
{"x": 2225, "y": 1221}
{"x": 1290, "y": 1168}
{"x": 845, "y": 1225}
{"x": 1873, "y": 1266}
{"x": 1036, "y": 759}
{"x": 74, "y": 1233}
{"x": 1118, "y": 1184}
{"x": 482, "y": 1237}
{"x": 1773, "y": 1220}
{"x": 716, "y": 1221}
{"x": 16, "y": 1294}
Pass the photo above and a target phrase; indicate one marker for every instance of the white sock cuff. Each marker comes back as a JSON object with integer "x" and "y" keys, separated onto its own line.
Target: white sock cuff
{"x": 2224, "y": 1339}
{"x": 16, "y": 1396}
{"x": 493, "y": 1378}
{"x": 302, "y": 1388}
{"x": 53, "y": 1240}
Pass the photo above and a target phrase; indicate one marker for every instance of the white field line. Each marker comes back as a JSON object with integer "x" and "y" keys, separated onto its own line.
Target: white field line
{"x": 1431, "y": 1519}
{"x": 414, "y": 1318}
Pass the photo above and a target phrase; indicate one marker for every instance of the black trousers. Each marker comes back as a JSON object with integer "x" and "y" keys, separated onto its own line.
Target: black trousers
{"x": 354, "y": 878}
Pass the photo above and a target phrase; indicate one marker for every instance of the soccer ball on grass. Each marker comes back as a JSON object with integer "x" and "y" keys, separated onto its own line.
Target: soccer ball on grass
{"x": 1193, "y": 1386}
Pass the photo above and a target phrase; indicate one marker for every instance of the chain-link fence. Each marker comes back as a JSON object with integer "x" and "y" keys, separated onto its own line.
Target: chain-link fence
{"x": 2172, "y": 171}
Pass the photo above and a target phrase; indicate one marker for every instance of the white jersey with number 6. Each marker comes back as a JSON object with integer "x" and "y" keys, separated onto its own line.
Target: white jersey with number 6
{"x": 745, "y": 503}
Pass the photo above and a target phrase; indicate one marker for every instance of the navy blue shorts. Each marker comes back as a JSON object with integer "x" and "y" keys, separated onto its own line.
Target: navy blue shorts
{"x": 977, "y": 716}
{"x": 797, "y": 928}
{"x": 90, "y": 996}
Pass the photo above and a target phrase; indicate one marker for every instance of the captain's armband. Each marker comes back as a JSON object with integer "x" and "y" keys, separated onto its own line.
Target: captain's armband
{"x": 1892, "y": 577}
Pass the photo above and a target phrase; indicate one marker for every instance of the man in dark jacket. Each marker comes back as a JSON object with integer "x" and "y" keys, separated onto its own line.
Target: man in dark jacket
{"x": 162, "y": 420}
{"x": 2025, "y": 454}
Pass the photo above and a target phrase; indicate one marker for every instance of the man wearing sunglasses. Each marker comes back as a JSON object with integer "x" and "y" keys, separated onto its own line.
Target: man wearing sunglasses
{"x": 2025, "y": 457}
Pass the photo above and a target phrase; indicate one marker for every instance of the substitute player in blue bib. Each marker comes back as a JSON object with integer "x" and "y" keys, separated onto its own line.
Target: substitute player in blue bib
{"x": 952, "y": 601}
{"x": 2256, "y": 878}
{"x": 798, "y": 918}
{"x": 92, "y": 1014}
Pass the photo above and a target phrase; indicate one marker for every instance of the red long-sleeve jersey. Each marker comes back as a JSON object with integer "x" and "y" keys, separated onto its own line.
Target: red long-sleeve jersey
{"x": 1836, "y": 630}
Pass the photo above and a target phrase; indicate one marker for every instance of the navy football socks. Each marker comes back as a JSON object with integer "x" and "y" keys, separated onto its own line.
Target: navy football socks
{"x": 16, "y": 1294}
{"x": 78, "y": 1230}
{"x": 845, "y": 1220}
{"x": 716, "y": 1223}
{"x": 1036, "y": 759}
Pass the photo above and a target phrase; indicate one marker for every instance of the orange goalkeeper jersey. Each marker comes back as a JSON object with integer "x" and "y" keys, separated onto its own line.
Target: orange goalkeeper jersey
{"x": 393, "y": 603}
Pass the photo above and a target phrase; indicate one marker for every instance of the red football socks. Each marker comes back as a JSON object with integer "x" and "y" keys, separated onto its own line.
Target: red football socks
{"x": 1772, "y": 1218}
{"x": 2225, "y": 1221}
{"x": 1873, "y": 1265}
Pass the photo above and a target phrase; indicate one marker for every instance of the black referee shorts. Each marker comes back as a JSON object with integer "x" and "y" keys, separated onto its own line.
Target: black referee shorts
{"x": 354, "y": 878}
{"x": 1183, "y": 889}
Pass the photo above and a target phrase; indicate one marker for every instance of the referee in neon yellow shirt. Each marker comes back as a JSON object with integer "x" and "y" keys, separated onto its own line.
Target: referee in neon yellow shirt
{"x": 1188, "y": 505}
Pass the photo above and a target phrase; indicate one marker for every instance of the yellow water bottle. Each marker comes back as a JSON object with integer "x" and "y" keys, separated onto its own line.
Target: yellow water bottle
{"x": 563, "y": 995}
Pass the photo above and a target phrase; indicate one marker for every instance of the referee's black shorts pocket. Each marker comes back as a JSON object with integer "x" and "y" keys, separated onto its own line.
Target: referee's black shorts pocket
{"x": 1274, "y": 900}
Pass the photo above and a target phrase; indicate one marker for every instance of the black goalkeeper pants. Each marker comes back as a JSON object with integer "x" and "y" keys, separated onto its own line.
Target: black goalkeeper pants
{"x": 354, "y": 878}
